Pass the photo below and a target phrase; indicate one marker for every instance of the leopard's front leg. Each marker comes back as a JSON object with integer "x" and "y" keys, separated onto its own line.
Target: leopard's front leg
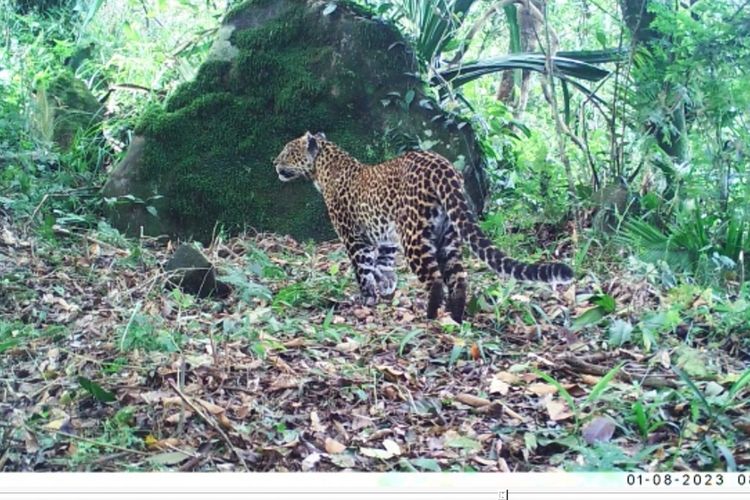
{"x": 364, "y": 263}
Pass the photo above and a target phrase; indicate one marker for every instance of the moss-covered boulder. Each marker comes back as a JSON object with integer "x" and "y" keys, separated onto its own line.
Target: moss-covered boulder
{"x": 277, "y": 69}
{"x": 69, "y": 108}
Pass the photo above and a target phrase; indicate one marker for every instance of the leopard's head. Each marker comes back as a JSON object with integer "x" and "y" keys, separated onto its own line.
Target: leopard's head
{"x": 297, "y": 159}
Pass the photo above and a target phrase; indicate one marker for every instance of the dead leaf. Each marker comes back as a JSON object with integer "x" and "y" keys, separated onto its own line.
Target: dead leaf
{"x": 168, "y": 458}
{"x": 600, "y": 429}
{"x": 310, "y": 461}
{"x": 315, "y": 424}
{"x": 471, "y": 400}
{"x": 334, "y": 447}
{"x": 298, "y": 342}
{"x": 349, "y": 346}
{"x": 507, "y": 377}
{"x": 558, "y": 410}
{"x": 590, "y": 379}
{"x": 284, "y": 382}
{"x": 541, "y": 389}
{"x": 392, "y": 446}
{"x": 497, "y": 386}
{"x": 213, "y": 409}
{"x": 475, "y": 353}
{"x": 392, "y": 449}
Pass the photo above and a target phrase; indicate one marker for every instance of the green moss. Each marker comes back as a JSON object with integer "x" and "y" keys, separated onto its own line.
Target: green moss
{"x": 76, "y": 108}
{"x": 236, "y": 11}
{"x": 213, "y": 143}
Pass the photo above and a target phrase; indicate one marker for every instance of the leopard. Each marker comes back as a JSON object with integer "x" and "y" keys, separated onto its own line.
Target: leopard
{"x": 413, "y": 203}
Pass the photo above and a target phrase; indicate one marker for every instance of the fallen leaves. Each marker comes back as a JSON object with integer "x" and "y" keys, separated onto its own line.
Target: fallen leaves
{"x": 318, "y": 385}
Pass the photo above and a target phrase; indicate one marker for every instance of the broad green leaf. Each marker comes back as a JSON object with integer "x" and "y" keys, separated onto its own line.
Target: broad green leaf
{"x": 691, "y": 361}
{"x": 603, "y": 384}
{"x": 606, "y": 302}
{"x": 589, "y": 317}
{"x": 455, "y": 353}
{"x": 639, "y": 415}
{"x": 620, "y": 332}
{"x": 462, "y": 442}
{"x": 409, "y": 97}
{"x": 738, "y": 386}
{"x": 429, "y": 464}
{"x": 407, "y": 338}
{"x": 99, "y": 393}
{"x": 8, "y": 344}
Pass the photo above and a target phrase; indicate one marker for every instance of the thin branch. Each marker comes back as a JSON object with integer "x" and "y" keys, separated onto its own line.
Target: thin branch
{"x": 562, "y": 130}
{"x": 477, "y": 26}
{"x": 212, "y": 423}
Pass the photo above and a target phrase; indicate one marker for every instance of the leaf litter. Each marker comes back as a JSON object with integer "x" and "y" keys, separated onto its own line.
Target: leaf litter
{"x": 104, "y": 367}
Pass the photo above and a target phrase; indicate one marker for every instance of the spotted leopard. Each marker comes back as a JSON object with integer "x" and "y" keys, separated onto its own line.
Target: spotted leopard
{"x": 415, "y": 200}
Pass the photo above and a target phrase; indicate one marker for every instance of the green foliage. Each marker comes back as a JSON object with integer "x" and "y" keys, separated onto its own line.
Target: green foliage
{"x": 709, "y": 247}
{"x": 274, "y": 79}
{"x": 143, "y": 332}
{"x": 433, "y": 25}
{"x": 564, "y": 67}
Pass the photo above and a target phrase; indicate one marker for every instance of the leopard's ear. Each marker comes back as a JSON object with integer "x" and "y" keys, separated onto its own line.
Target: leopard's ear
{"x": 312, "y": 145}
{"x": 321, "y": 136}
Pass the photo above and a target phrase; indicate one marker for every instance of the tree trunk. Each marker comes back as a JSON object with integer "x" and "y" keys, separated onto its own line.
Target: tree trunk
{"x": 528, "y": 26}
{"x": 672, "y": 140}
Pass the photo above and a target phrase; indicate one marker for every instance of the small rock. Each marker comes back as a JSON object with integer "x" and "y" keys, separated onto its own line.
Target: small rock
{"x": 194, "y": 274}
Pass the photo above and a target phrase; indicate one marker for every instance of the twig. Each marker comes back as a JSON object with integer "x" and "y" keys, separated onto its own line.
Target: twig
{"x": 61, "y": 230}
{"x": 192, "y": 463}
{"x": 494, "y": 8}
{"x": 210, "y": 422}
{"x": 36, "y": 210}
{"x": 181, "y": 382}
{"x": 582, "y": 366}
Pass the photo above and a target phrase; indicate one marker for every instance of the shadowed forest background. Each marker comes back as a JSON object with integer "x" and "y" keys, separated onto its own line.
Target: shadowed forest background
{"x": 137, "y": 138}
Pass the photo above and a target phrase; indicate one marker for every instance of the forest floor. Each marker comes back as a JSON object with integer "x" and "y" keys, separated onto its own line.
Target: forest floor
{"x": 104, "y": 367}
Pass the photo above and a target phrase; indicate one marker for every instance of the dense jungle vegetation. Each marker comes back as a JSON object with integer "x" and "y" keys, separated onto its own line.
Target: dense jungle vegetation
{"x": 616, "y": 136}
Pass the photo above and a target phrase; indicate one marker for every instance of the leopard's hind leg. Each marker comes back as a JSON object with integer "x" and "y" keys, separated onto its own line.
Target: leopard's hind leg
{"x": 448, "y": 245}
{"x": 419, "y": 248}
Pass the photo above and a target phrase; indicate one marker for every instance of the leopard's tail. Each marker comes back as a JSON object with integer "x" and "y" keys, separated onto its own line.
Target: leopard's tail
{"x": 454, "y": 204}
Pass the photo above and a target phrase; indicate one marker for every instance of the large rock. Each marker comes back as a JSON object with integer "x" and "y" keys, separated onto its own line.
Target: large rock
{"x": 64, "y": 108}
{"x": 277, "y": 69}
